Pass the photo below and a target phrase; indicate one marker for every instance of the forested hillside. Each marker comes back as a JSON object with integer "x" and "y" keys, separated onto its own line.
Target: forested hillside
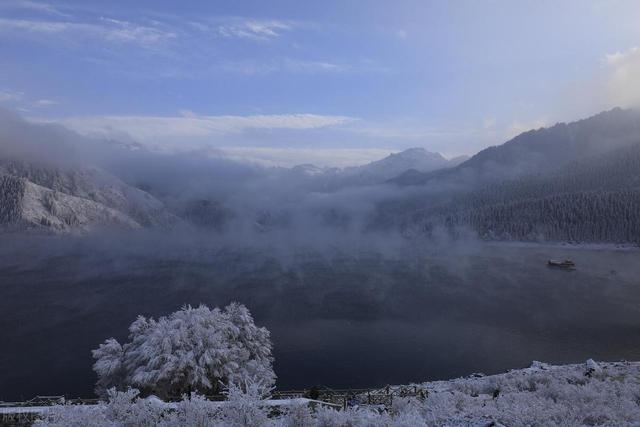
{"x": 593, "y": 200}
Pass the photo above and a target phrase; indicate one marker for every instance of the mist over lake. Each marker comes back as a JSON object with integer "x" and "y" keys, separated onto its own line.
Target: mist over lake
{"x": 366, "y": 318}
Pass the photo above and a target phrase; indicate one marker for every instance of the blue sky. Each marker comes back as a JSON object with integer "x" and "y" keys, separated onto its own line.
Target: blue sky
{"x": 328, "y": 82}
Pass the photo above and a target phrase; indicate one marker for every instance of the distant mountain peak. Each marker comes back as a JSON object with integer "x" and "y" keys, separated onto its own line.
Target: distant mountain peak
{"x": 540, "y": 150}
{"x": 416, "y": 152}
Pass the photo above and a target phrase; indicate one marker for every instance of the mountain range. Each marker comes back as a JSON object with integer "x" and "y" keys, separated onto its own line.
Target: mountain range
{"x": 538, "y": 151}
{"x": 576, "y": 181}
{"x": 376, "y": 172}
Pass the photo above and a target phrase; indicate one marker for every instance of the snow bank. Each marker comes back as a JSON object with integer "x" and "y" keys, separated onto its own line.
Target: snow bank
{"x": 570, "y": 395}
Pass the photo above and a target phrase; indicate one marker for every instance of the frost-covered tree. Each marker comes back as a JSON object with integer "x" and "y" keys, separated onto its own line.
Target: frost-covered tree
{"x": 191, "y": 350}
{"x": 109, "y": 365}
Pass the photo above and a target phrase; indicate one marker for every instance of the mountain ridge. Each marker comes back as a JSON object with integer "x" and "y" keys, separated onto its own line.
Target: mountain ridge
{"x": 538, "y": 150}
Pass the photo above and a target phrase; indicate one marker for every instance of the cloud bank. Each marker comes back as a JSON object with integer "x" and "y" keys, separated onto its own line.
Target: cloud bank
{"x": 623, "y": 84}
{"x": 152, "y": 129}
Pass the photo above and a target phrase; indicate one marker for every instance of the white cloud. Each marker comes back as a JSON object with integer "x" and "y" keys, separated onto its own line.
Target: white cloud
{"x": 153, "y": 128}
{"x": 323, "y": 157}
{"x": 622, "y": 84}
{"x": 254, "y": 29}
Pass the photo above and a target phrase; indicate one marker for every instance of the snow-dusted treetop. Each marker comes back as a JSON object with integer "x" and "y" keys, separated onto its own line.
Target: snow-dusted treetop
{"x": 193, "y": 349}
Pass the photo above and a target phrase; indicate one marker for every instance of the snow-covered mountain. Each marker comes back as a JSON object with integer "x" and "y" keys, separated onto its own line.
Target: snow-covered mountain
{"x": 394, "y": 164}
{"x": 27, "y": 206}
{"x": 377, "y": 172}
{"x": 585, "y": 187}
{"x": 50, "y": 181}
{"x": 44, "y": 197}
{"x": 538, "y": 151}
{"x": 576, "y": 181}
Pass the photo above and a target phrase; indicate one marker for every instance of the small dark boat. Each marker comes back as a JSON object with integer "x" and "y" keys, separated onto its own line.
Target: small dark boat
{"x": 567, "y": 264}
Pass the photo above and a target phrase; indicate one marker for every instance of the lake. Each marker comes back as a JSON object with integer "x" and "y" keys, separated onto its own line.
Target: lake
{"x": 338, "y": 319}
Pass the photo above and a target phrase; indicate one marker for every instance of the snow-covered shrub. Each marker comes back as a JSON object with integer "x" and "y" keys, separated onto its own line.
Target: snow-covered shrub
{"x": 73, "y": 416}
{"x": 128, "y": 410}
{"x": 350, "y": 417}
{"x": 297, "y": 414}
{"x": 124, "y": 409}
{"x": 192, "y": 411}
{"x": 193, "y": 349}
{"x": 407, "y": 411}
{"x": 244, "y": 406}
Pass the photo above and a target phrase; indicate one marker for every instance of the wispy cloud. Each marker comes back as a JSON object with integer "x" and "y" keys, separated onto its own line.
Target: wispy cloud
{"x": 129, "y": 32}
{"x": 45, "y": 102}
{"x": 179, "y": 45}
{"x": 255, "y": 29}
{"x": 18, "y": 26}
{"x": 284, "y": 65}
{"x": 23, "y": 102}
{"x": 34, "y": 6}
{"x": 316, "y": 66}
{"x": 109, "y": 30}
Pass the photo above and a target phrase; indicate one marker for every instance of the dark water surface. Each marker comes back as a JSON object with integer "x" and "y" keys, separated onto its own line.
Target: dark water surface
{"x": 338, "y": 321}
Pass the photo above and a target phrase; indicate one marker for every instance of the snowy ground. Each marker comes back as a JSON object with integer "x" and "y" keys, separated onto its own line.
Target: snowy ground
{"x": 606, "y": 394}
{"x": 569, "y": 395}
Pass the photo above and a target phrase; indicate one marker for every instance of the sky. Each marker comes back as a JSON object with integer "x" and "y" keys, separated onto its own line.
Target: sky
{"x": 325, "y": 82}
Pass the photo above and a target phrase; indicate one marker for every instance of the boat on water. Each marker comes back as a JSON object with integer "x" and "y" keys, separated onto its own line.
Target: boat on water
{"x": 567, "y": 264}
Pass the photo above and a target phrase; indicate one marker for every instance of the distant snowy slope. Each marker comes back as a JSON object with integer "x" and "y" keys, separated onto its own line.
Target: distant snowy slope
{"x": 94, "y": 185}
{"x": 537, "y": 151}
{"x": 50, "y": 182}
{"x": 413, "y": 158}
{"x": 27, "y": 206}
{"x": 377, "y": 172}
{"x": 100, "y": 191}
